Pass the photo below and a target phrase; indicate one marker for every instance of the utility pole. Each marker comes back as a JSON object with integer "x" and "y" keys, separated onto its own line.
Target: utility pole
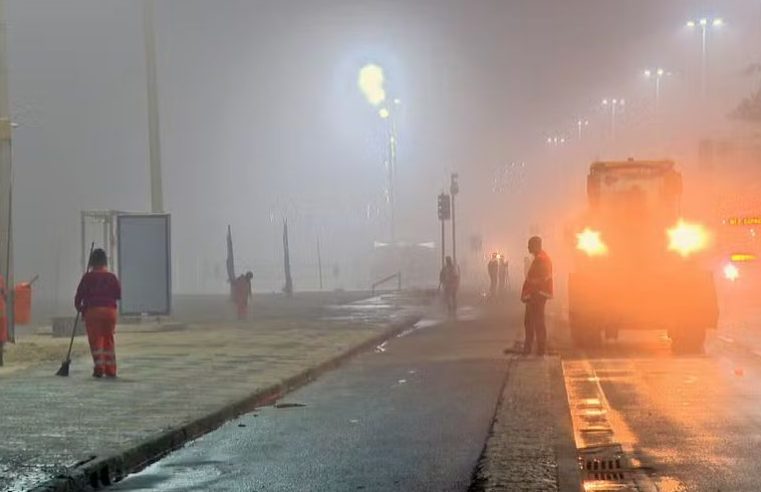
{"x": 6, "y": 184}
{"x": 154, "y": 140}
{"x": 454, "y": 188}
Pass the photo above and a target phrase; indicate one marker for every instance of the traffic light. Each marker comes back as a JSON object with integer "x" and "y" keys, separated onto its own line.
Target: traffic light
{"x": 445, "y": 209}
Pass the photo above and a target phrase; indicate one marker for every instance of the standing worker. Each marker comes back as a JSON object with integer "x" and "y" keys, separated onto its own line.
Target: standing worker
{"x": 449, "y": 278}
{"x": 493, "y": 268}
{"x": 242, "y": 293}
{"x": 537, "y": 289}
{"x": 97, "y": 295}
{"x": 503, "y": 277}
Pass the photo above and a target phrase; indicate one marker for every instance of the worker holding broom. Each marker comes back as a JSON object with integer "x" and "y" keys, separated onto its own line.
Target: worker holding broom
{"x": 97, "y": 295}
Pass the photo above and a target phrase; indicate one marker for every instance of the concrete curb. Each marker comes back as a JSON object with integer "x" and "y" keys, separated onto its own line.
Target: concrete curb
{"x": 515, "y": 458}
{"x": 99, "y": 472}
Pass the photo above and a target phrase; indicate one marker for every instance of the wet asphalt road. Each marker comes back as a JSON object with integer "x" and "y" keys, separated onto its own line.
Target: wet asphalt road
{"x": 412, "y": 416}
{"x": 690, "y": 423}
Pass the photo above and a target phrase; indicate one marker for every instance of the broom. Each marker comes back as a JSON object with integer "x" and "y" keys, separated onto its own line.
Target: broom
{"x": 64, "y": 369}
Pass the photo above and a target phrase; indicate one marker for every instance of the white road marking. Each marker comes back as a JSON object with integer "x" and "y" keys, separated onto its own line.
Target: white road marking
{"x": 595, "y": 424}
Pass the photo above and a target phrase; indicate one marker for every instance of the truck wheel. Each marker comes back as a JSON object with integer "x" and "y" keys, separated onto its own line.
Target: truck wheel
{"x": 688, "y": 340}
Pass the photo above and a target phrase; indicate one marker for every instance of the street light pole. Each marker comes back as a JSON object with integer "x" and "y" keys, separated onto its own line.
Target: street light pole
{"x": 154, "y": 140}
{"x": 704, "y": 24}
{"x": 703, "y": 58}
{"x": 6, "y": 185}
{"x": 613, "y": 104}
{"x": 390, "y": 115}
{"x": 581, "y": 124}
{"x": 657, "y": 75}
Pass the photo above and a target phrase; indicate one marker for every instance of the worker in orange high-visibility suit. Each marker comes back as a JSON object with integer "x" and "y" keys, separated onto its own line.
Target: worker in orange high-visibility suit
{"x": 537, "y": 290}
{"x": 97, "y": 295}
{"x": 242, "y": 293}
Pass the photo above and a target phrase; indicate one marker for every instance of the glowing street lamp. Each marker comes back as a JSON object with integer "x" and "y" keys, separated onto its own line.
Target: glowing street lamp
{"x": 704, "y": 23}
{"x": 656, "y": 75}
{"x": 614, "y": 105}
{"x": 370, "y": 81}
{"x": 581, "y": 124}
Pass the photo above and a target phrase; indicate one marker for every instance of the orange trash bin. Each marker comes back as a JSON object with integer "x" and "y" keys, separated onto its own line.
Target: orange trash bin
{"x": 22, "y": 309}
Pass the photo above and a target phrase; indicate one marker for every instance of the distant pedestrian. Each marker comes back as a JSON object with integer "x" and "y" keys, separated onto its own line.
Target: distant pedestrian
{"x": 449, "y": 279}
{"x": 503, "y": 277}
{"x": 242, "y": 292}
{"x": 96, "y": 299}
{"x": 537, "y": 290}
{"x": 493, "y": 268}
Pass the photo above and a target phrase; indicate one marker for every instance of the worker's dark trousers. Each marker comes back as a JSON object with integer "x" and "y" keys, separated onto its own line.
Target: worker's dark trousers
{"x": 535, "y": 326}
{"x": 450, "y": 297}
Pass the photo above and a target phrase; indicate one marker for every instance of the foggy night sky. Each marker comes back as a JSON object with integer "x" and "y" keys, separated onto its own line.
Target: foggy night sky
{"x": 261, "y": 117}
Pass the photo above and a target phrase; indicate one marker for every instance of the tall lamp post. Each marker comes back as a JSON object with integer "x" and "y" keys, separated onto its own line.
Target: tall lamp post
{"x": 613, "y": 105}
{"x": 656, "y": 75}
{"x": 390, "y": 116}
{"x": 581, "y": 124}
{"x": 154, "y": 141}
{"x": 6, "y": 186}
{"x": 371, "y": 83}
{"x": 704, "y": 24}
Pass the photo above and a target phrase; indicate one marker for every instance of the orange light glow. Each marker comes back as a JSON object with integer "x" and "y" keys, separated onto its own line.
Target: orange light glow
{"x": 686, "y": 238}
{"x": 589, "y": 242}
{"x": 731, "y": 272}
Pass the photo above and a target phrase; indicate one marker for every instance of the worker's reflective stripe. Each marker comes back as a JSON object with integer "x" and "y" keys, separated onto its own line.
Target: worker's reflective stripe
{"x": 545, "y": 294}
{"x": 98, "y": 352}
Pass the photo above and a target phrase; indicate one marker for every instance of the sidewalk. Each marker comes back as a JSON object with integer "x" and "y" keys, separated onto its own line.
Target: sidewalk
{"x": 169, "y": 377}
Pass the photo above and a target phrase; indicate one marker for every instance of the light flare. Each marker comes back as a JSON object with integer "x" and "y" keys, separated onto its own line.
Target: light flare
{"x": 731, "y": 272}
{"x": 589, "y": 242}
{"x": 370, "y": 82}
{"x": 686, "y": 238}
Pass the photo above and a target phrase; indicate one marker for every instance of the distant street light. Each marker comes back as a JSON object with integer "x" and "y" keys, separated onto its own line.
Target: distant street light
{"x": 656, "y": 75}
{"x": 614, "y": 105}
{"x": 704, "y": 24}
{"x": 581, "y": 124}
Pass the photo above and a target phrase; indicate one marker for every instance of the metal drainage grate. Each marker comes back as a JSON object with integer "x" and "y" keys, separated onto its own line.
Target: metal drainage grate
{"x": 604, "y": 463}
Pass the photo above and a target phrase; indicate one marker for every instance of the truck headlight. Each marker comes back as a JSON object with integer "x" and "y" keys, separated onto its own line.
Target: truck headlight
{"x": 589, "y": 242}
{"x": 686, "y": 238}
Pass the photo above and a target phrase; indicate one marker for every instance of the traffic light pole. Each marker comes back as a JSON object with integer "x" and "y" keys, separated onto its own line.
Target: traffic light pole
{"x": 454, "y": 235}
{"x": 443, "y": 244}
{"x": 454, "y": 188}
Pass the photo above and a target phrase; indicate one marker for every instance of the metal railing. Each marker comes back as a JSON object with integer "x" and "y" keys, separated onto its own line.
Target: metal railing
{"x": 397, "y": 276}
